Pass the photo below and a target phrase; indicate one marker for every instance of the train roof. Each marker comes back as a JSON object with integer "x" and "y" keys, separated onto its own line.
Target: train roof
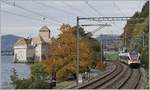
{"x": 123, "y": 54}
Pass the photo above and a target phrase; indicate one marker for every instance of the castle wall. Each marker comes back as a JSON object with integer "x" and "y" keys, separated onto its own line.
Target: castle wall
{"x": 45, "y": 51}
{"x": 30, "y": 54}
{"x": 38, "y": 52}
{"x": 45, "y": 35}
{"x": 20, "y": 54}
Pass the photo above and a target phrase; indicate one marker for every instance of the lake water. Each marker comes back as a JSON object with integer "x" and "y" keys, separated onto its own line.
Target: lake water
{"x": 23, "y": 70}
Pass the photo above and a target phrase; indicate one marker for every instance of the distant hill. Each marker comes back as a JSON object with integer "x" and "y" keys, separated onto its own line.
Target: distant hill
{"x": 106, "y": 38}
{"x": 8, "y": 41}
{"x": 110, "y": 42}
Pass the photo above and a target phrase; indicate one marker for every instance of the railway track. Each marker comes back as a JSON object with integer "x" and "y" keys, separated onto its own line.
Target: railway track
{"x": 122, "y": 77}
{"x": 104, "y": 79}
{"x": 133, "y": 80}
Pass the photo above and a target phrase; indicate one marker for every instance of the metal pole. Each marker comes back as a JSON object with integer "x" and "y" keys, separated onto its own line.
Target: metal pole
{"x": 125, "y": 40}
{"x": 101, "y": 52}
{"x": 143, "y": 39}
{"x": 78, "y": 52}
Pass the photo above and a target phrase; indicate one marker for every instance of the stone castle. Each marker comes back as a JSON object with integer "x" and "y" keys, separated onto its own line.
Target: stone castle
{"x": 33, "y": 49}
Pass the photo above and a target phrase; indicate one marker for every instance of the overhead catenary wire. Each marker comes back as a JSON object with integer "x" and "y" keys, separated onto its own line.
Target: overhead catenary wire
{"x": 56, "y": 8}
{"x": 24, "y": 16}
{"x": 116, "y": 25}
{"x": 76, "y": 9}
{"x": 49, "y": 6}
{"x": 99, "y": 28}
{"x": 114, "y": 4}
{"x": 28, "y": 10}
{"x": 93, "y": 8}
{"x": 15, "y": 5}
{"x": 139, "y": 5}
{"x": 16, "y": 14}
{"x": 97, "y": 11}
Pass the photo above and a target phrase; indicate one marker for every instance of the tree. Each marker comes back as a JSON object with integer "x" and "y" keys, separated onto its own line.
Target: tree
{"x": 14, "y": 77}
{"x": 145, "y": 10}
{"x": 37, "y": 80}
{"x": 138, "y": 33}
{"x": 63, "y": 53}
{"x": 144, "y": 57}
{"x": 38, "y": 71}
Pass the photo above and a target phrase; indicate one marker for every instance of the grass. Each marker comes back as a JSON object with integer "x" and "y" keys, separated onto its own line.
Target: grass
{"x": 64, "y": 84}
{"x": 146, "y": 85}
{"x": 112, "y": 56}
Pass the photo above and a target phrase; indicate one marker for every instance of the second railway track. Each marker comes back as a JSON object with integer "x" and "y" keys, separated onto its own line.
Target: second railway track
{"x": 104, "y": 79}
{"x": 133, "y": 81}
{"x": 122, "y": 77}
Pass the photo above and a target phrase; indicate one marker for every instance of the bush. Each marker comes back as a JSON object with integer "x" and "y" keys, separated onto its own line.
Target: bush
{"x": 38, "y": 71}
{"x": 30, "y": 84}
{"x": 37, "y": 80}
{"x": 145, "y": 57}
{"x": 22, "y": 84}
{"x": 40, "y": 84}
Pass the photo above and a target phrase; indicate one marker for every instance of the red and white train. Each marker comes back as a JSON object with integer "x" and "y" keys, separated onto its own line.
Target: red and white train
{"x": 132, "y": 58}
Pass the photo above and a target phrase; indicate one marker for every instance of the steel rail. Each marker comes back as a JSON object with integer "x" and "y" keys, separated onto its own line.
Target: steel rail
{"x": 103, "y": 79}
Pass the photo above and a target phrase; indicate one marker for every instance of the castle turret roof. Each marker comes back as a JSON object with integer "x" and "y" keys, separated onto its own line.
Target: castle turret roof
{"x": 44, "y": 28}
{"x": 23, "y": 41}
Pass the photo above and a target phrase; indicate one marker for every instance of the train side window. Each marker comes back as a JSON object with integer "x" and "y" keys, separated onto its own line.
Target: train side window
{"x": 128, "y": 58}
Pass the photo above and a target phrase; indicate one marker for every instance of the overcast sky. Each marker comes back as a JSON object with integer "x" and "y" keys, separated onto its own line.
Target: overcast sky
{"x": 17, "y": 21}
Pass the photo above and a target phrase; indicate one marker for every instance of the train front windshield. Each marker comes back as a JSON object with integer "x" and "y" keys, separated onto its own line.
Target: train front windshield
{"x": 133, "y": 55}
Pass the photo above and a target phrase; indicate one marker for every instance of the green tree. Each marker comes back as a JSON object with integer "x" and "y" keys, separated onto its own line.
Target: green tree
{"x": 38, "y": 71}
{"x": 14, "y": 77}
{"x": 145, "y": 10}
{"x": 138, "y": 33}
{"x": 37, "y": 80}
{"x": 144, "y": 57}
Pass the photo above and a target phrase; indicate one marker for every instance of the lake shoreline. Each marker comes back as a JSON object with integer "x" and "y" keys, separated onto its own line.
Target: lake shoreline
{"x": 7, "y": 64}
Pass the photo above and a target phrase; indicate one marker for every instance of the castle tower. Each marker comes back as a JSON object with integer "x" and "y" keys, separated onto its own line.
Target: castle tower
{"x": 45, "y": 33}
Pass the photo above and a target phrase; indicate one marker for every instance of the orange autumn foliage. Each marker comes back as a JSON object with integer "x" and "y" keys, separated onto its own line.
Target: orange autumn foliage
{"x": 100, "y": 65}
{"x": 62, "y": 57}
